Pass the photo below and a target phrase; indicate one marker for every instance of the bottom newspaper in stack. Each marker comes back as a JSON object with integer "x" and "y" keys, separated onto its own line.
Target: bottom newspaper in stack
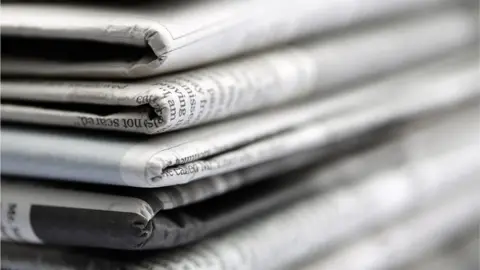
{"x": 419, "y": 184}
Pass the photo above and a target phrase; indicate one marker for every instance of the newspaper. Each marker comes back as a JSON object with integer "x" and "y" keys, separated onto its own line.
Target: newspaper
{"x": 312, "y": 224}
{"x": 184, "y": 156}
{"x": 150, "y": 204}
{"x": 40, "y": 212}
{"x": 153, "y": 37}
{"x": 408, "y": 240}
{"x": 242, "y": 85}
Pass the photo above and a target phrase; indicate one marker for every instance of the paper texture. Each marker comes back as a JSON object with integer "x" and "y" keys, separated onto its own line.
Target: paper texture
{"x": 408, "y": 240}
{"x": 188, "y": 155}
{"x": 461, "y": 254}
{"x": 145, "y": 39}
{"x": 46, "y": 215}
{"x": 408, "y": 166}
{"x": 239, "y": 86}
{"x": 314, "y": 224}
{"x": 455, "y": 215}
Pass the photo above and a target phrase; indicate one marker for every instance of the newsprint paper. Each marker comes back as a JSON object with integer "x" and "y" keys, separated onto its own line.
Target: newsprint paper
{"x": 143, "y": 39}
{"x": 184, "y": 156}
{"x": 242, "y": 85}
{"x": 427, "y": 163}
{"x": 461, "y": 253}
{"x": 409, "y": 240}
{"x": 311, "y": 225}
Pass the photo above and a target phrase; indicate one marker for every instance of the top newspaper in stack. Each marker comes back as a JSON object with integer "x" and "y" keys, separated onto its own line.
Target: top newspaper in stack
{"x": 226, "y": 89}
{"x": 145, "y": 39}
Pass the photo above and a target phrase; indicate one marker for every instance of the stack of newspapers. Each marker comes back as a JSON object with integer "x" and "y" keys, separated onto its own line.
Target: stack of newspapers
{"x": 240, "y": 134}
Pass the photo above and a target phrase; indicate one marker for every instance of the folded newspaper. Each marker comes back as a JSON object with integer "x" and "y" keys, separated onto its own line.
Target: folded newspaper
{"x": 184, "y": 156}
{"x": 395, "y": 246}
{"x": 323, "y": 141}
{"x": 226, "y": 89}
{"x": 313, "y": 224}
{"x": 425, "y": 163}
{"x": 151, "y": 37}
{"x": 126, "y": 204}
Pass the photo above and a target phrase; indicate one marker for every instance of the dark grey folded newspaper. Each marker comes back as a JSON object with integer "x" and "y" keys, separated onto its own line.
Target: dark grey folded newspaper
{"x": 266, "y": 243}
{"x": 421, "y": 155}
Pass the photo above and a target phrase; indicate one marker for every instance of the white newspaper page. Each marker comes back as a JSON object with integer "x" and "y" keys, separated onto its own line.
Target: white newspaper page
{"x": 145, "y": 39}
{"x": 239, "y": 86}
{"x": 185, "y": 156}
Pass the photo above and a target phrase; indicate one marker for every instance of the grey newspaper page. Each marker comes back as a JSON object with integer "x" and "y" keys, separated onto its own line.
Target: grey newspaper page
{"x": 144, "y": 39}
{"x": 127, "y": 219}
{"x": 222, "y": 90}
{"x": 184, "y": 156}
